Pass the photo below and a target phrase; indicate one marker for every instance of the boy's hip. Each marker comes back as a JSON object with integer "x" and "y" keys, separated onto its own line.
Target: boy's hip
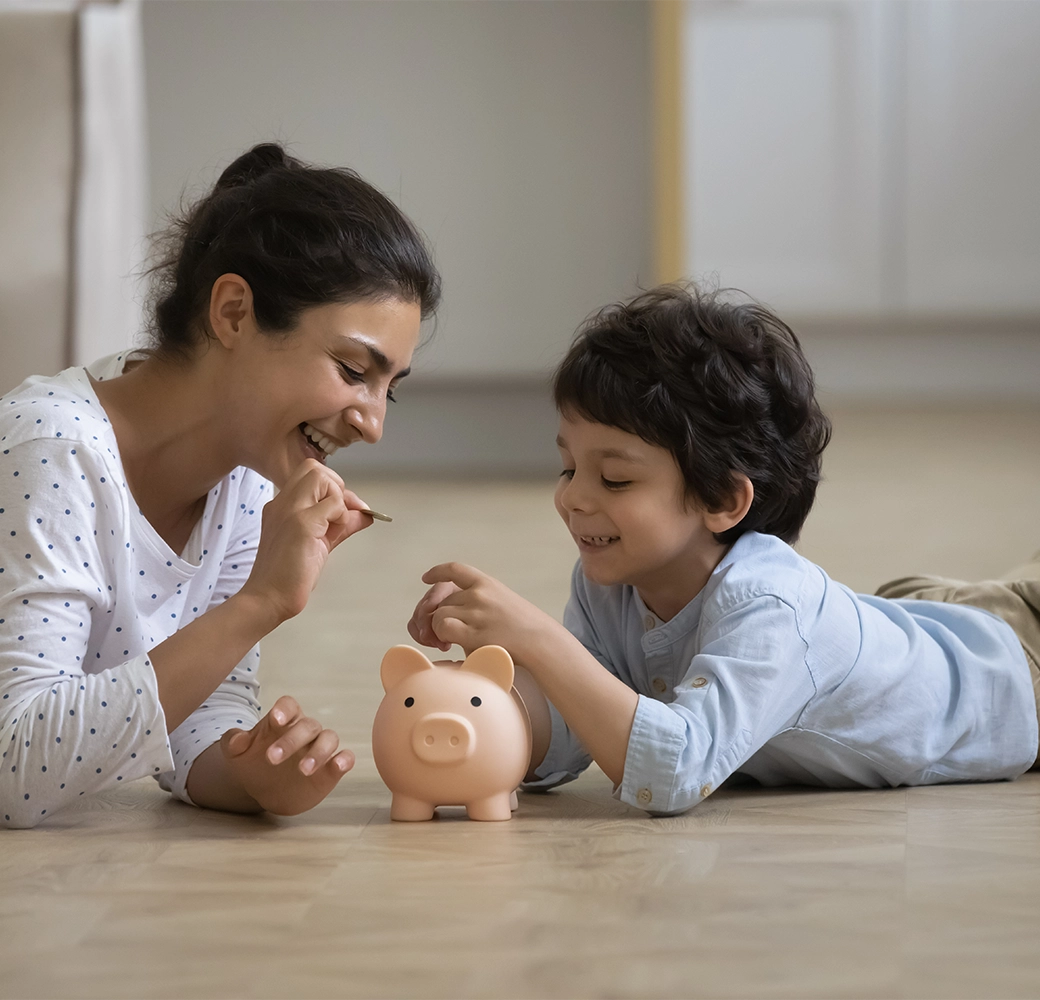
{"x": 1014, "y": 597}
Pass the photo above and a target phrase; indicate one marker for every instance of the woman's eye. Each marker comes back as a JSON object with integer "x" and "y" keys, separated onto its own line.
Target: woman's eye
{"x": 613, "y": 484}
{"x": 390, "y": 395}
{"x": 567, "y": 474}
{"x": 351, "y": 374}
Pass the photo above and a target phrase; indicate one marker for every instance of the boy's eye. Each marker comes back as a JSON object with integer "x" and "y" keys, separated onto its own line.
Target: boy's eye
{"x": 614, "y": 484}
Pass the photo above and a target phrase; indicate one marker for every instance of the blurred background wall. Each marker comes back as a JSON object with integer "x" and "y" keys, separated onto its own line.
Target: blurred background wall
{"x": 516, "y": 135}
{"x": 865, "y": 166}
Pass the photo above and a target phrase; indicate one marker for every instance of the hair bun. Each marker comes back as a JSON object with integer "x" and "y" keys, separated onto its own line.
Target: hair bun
{"x": 254, "y": 163}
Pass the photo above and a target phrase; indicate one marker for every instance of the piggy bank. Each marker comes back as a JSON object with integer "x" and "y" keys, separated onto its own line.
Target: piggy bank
{"x": 451, "y": 734}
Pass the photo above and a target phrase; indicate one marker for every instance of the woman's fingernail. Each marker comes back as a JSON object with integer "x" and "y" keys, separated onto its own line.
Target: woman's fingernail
{"x": 278, "y": 717}
{"x": 308, "y": 765}
{"x": 275, "y": 754}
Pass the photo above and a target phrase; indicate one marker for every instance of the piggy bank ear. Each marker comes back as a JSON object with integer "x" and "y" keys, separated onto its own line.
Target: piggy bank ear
{"x": 399, "y": 662}
{"x": 494, "y": 663}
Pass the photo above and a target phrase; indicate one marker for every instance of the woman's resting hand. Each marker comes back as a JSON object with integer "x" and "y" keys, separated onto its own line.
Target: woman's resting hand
{"x": 287, "y": 763}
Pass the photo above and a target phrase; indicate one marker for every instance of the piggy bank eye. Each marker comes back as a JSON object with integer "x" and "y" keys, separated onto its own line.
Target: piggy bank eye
{"x": 409, "y": 702}
{"x": 474, "y": 701}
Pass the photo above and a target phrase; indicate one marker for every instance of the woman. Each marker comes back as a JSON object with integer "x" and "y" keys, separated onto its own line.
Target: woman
{"x": 143, "y": 554}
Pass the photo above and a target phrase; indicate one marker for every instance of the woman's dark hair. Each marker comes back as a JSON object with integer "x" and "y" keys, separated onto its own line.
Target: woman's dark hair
{"x": 300, "y": 235}
{"x": 722, "y": 384}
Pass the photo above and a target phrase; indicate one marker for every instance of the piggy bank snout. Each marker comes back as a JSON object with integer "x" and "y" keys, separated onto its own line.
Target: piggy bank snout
{"x": 443, "y": 738}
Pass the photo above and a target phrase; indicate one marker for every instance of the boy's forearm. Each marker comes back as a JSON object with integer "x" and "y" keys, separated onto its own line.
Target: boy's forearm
{"x": 593, "y": 702}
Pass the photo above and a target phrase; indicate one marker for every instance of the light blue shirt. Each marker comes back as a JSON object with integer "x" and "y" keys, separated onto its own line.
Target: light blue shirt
{"x": 776, "y": 672}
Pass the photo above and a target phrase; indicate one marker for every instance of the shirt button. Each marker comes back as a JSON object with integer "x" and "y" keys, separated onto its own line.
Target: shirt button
{"x": 698, "y": 682}
{"x": 648, "y": 621}
{"x": 643, "y": 796}
{"x": 705, "y": 791}
{"x": 659, "y": 684}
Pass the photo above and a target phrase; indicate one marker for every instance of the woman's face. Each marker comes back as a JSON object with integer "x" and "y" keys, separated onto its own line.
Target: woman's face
{"x": 323, "y": 386}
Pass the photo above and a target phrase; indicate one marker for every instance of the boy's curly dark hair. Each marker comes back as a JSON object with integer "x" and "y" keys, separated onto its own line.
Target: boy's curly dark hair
{"x": 722, "y": 384}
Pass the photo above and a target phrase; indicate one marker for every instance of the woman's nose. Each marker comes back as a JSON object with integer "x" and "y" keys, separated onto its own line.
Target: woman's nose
{"x": 367, "y": 419}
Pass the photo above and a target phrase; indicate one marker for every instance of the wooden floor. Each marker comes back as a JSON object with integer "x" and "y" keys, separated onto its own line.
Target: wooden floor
{"x": 925, "y": 892}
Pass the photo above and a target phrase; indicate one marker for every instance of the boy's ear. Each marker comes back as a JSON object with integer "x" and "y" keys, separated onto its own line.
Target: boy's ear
{"x": 230, "y": 308}
{"x": 400, "y": 662}
{"x": 735, "y": 508}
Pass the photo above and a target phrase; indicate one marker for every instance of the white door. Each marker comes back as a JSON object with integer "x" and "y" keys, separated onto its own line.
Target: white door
{"x": 973, "y": 158}
{"x": 784, "y": 123}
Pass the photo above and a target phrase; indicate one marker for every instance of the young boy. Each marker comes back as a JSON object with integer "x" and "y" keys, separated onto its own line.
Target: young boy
{"x": 697, "y": 644}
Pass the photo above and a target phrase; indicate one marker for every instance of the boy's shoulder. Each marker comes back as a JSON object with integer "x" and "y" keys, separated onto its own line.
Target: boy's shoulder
{"x": 759, "y": 565}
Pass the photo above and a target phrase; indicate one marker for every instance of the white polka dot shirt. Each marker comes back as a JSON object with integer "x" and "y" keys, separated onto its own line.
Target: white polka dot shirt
{"x": 87, "y": 588}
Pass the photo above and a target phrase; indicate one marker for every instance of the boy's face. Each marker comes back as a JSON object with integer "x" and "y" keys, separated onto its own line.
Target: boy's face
{"x": 622, "y": 499}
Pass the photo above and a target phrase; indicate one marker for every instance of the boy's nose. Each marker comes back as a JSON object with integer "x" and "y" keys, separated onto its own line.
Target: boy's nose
{"x": 572, "y": 497}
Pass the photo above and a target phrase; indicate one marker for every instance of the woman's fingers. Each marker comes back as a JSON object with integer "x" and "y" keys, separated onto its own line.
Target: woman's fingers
{"x": 285, "y": 710}
{"x": 341, "y": 763}
{"x": 300, "y": 734}
{"x": 320, "y": 750}
{"x": 237, "y": 741}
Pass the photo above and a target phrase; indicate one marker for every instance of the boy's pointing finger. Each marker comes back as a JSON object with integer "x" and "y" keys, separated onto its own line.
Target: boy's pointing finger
{"x": 452, "y": 572}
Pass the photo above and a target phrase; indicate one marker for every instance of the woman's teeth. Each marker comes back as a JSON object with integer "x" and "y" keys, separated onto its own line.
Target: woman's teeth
{"x": 319, "y": 439}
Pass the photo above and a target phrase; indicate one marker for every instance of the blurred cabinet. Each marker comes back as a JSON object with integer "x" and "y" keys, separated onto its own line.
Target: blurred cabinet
{"x": 865, "y": 158}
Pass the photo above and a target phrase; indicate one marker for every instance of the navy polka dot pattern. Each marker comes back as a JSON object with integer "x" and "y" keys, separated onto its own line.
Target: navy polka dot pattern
{"x": 87, "y": 589}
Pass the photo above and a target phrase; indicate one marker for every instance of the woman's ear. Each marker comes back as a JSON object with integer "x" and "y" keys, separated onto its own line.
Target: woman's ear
{"x": 734, "y": 509}
{"x": 230, "y": 308}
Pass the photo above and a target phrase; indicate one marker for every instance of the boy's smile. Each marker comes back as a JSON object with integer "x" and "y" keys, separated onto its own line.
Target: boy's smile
{"x": 624, "y": 502}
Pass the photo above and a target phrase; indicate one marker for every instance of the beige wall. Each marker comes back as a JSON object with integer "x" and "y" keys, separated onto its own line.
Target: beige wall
{"x": 516, "y": 134}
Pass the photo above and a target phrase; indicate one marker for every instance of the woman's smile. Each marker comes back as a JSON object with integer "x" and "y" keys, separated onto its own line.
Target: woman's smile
{"x": 316, "y": 444}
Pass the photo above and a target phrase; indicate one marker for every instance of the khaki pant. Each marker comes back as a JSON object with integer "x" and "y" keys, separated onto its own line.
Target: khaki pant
{"x": 1015, "y": 597}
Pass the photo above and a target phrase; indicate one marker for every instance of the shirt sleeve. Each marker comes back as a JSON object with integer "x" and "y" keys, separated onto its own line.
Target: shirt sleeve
{"x": 235, "y": 704}
{"x": 748, "y": 682}
{"x": 64, "y": 732}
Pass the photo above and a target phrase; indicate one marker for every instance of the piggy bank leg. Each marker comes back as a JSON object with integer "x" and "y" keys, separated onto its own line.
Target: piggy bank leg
{"x": 409, "y": 810}
{"x": 495, "y": 807}
{"x": 514, "y": 802}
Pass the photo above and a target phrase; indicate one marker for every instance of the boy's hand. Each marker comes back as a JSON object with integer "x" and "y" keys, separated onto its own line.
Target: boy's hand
{"x": 481, "y": 611}
{"x": 420, "y": 626}
{"x": 287, "y": 762}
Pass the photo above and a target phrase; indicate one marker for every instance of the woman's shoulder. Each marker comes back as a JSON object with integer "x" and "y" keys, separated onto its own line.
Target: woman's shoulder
{"x": 44, "y": 410}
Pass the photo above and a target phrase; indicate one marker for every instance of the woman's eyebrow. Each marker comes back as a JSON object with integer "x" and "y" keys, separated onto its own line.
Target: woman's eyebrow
{"x": 379, "y": 359}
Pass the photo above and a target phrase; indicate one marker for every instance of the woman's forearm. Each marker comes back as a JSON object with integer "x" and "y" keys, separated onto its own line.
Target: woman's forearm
{"x": 212, "y": 785}
{"x": 191, "y": 663}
